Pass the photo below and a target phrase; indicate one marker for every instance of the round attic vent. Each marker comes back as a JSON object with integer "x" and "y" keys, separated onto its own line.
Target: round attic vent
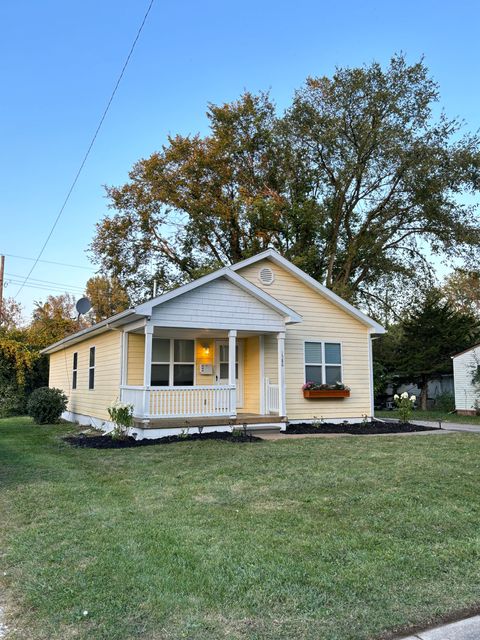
{"x": 266, "y": 276}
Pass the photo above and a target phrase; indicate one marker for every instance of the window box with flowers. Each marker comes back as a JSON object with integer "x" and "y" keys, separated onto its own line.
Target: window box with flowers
{"x": 312, "y": 390}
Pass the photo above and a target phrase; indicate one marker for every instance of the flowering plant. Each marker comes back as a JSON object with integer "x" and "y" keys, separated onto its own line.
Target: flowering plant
{"x": 310, "y": 386}
{"x": 121, "y": 414}
{"x": 405, "y": 404}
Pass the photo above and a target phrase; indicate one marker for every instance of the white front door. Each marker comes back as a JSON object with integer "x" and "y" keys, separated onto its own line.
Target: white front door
{"x": 221, "y": 367}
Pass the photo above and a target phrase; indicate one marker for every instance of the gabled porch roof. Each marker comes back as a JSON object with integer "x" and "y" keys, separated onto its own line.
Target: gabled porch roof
{"x": 289, "y": 314}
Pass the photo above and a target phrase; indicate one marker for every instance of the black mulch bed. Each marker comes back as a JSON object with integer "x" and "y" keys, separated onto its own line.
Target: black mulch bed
{"x": 106, "y": 442}
{"x": 358, "y": 429}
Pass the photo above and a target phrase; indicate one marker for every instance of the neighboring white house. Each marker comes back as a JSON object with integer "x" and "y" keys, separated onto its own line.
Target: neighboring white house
{"x": 467, "y": 394}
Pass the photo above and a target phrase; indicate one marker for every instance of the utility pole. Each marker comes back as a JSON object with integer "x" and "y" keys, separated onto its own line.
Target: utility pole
{"x": 2, "y": 273}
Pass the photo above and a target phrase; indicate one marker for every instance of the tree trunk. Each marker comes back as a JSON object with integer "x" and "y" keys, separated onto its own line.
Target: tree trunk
{"x": 424, "y": 394}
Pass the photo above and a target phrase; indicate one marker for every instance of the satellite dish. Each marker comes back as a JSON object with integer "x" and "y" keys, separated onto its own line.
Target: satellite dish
{"x": 83, "y": 306}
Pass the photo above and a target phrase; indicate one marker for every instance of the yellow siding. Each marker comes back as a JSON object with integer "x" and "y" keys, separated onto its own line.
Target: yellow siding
{"x": 322, "y": 320}
{"x": 89, "y": 402}
{"x": 271, "y": 358}
{"x": 136, "y": 354}
{"x": 204, "y": 358}
{"x": 251, "y": 378}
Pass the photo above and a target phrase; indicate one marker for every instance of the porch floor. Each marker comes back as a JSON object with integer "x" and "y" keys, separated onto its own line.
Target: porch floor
{"x": 240, "y": 419}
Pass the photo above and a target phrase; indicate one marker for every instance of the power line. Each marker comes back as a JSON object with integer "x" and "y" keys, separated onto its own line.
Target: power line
{"x": 92, "y": 142}
{"x": 60, "y": 264}
{"x": 42, "y": 287}
{"x": 41, "y": 281}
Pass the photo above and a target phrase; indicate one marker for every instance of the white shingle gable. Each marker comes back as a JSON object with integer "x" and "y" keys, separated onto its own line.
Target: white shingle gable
{"x": 218, "y": 304}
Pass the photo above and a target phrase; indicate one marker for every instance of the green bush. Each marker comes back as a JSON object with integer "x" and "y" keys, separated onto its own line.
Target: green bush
{"x": 45, "y": 405}
{"x": 12, "y": 400}
{"x": 445, "y": 402}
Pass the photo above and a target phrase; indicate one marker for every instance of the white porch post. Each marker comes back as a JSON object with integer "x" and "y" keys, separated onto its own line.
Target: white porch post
{"x": 281, "y": 374}
{"x": 147, "y": 369}
{"x": 261, "y": 357}
{"x": 232, "y": 349}
{"x": 124, "y": 365}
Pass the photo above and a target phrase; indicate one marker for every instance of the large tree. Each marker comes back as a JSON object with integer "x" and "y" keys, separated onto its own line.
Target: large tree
{"x": 107, "y": 296}
{"x": 54, "y": 319}
{"x": 462, "y": 289}
{"x": 357, "y": 182}
{"x": 22, "y": 367}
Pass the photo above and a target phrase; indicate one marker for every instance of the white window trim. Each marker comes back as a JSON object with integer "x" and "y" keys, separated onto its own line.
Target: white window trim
{"x": 171, "y": 363}
{"x": 94, "y": 346}
{"x": 323, "y": 364}
{"x": 74, "y": 371}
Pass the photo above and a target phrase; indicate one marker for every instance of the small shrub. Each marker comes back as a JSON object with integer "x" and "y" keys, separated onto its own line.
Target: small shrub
{"x": 121, "y": 415}
{"x": 405, "y": 405}
{"x": 46, "y": 405}
{"x": 445, "y": 402}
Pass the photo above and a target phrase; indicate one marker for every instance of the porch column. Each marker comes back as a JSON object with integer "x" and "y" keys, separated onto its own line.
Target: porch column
{"x": 232, "y": 348}
{"x": 281, "y": 374}
{"x": 147, "y": 369}
{"x": 124, "y": 365}
{"x": 261, "y": 357}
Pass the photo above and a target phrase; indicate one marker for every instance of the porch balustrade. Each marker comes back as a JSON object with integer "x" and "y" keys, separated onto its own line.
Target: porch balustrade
{"x": 188, "y": 402}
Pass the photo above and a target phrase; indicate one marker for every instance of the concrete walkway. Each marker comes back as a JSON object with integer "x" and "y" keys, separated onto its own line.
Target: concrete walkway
{"x": 448, "y": 426}
{"x": 278, "y": 435}
{"x": 451, "y": 426}
{"x": 468, "y": 629}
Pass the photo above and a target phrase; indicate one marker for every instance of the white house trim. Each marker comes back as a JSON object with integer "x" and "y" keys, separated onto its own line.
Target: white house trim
{"x": 370, "y": 368}
{"x": 282, "y": 409}
{"x": 124, "y": 357}
{"x": 261, "y": 357}
{"x": 276, "y": 258}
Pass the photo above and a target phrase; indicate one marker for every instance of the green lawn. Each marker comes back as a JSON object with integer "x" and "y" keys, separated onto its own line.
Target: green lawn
{"x": 435, "y": 416}
{"x": 325, "y": 539}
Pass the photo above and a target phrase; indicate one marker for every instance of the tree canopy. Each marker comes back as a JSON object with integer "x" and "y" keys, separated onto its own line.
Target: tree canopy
{"x": 462, "y": 290}
{"x": 22, "y": 368}
{"x": 358, "y": 183}
{"x": 107, "y": 296}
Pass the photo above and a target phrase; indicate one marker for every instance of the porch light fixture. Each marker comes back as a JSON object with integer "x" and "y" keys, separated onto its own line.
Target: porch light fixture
{"x": 206, "y": 349}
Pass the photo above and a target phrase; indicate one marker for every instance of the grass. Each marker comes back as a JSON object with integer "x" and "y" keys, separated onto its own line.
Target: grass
{"x": 325, "y": 539}
{"x": 434, "y": 416}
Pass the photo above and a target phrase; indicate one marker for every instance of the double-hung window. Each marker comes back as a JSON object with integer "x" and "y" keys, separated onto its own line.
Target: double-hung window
{"x": 91, "y": 368}
{"x": 74, "y": 370}
{"x": 173, "y": 362}
{"x": 323, "y": 362}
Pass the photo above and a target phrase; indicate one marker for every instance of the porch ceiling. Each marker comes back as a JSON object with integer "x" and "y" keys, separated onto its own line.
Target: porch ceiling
{"x": 191, "y": 334}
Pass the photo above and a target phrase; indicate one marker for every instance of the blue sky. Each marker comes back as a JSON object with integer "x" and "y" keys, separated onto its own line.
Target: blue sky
{"x": 59, "y": 61}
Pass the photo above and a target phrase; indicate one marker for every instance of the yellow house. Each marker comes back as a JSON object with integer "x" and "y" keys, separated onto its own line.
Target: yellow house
{"x": 235, "y": 346}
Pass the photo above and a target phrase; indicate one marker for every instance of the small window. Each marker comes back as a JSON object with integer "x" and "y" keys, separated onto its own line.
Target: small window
{"x": 323, "y": 362}
{"x": 74, "y": 370}
{"x": 91, "y": 369}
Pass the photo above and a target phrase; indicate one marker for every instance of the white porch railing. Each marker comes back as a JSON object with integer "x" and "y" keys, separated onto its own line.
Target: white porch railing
{"x": 175, "y": 402}
{"x": 271, "y": 397}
